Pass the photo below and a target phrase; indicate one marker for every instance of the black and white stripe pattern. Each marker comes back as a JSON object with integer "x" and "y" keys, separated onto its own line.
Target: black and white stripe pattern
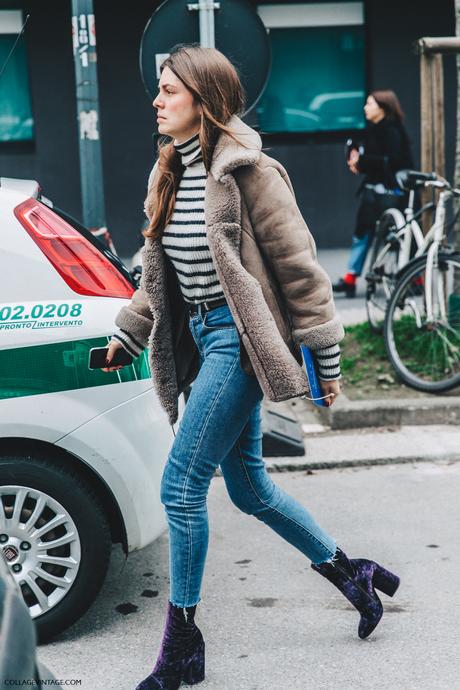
{"x": 184, "y": 238}
{"x": 328, "y": 359}
{"x": 130, "y": 344}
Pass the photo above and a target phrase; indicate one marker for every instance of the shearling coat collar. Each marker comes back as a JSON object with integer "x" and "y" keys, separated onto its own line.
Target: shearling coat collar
{"x": 229, "y": 154}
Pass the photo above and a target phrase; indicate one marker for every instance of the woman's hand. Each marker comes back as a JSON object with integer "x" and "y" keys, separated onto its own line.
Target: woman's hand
{"x": 352, "y": 162}
{"x": 330, "y": 388}
{"x": 112, "y": 348}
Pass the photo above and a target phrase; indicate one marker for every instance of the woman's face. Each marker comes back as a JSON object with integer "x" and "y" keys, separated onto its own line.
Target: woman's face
{"x": 373, "y": 111}
{"x": 178, "y": 115}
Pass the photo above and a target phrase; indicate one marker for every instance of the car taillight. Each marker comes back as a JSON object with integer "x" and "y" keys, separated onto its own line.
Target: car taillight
{"x": 85, "y": 269}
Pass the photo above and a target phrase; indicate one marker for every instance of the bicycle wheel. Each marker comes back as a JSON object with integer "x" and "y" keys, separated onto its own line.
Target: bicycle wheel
{"x": 426, "y": 353}
{"x": 384, "y": 267}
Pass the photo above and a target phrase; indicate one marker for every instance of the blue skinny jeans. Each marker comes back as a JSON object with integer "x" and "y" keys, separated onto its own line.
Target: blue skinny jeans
{"x": 359, "y": 249}
{"x": 221, "y": 425}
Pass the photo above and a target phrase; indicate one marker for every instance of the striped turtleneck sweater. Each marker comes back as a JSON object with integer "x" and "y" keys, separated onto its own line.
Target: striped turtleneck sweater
{"x": 185, "y": 242}
{"x": 184, "y": 238}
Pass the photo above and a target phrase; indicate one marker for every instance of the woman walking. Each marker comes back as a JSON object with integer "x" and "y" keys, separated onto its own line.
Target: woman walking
{"x": 230, "y": 288}
{"x": 386, "y": 150}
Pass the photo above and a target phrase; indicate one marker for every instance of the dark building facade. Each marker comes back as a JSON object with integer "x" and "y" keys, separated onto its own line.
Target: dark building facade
{"x": 312, "y": 151}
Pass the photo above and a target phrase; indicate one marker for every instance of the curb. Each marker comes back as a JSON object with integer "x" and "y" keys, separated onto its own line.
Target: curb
{"x": 278, "y": 465}
{"x": 288, "y": 465}
{"x": 359, "y": 414}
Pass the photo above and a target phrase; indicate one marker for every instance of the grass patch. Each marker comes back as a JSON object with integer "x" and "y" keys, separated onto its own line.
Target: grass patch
{"x": 366, "y": 372}
{"x": 364, "y": 357}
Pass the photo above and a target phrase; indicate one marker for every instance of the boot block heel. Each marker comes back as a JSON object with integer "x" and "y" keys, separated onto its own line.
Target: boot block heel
{"x": 193, "y": 672}
{"x": 385, "y": 581}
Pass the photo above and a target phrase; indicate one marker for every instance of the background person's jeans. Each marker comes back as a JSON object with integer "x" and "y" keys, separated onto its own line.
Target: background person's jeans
{"x": 359, "y": 247}
{"x": 221, "y": 426}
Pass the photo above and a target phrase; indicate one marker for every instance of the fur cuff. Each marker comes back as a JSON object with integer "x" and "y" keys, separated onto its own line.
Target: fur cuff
{"x": 324, "y": 335}
{"x": 138, "y": 326}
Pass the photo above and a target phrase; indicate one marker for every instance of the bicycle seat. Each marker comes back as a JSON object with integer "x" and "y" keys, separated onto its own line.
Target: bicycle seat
{"x": 411, "y": 179}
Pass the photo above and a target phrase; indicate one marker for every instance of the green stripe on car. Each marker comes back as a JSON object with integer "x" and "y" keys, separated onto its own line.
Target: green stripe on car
{"x": 56, "y": 367}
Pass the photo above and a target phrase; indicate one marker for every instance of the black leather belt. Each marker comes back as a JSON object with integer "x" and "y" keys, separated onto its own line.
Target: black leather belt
{"x": 203, "y": 307}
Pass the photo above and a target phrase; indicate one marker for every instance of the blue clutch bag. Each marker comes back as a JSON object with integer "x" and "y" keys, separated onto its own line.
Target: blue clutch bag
{"x": 312, "y": 375}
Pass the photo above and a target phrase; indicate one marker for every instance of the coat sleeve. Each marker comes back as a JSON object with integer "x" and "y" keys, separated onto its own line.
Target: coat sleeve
{"x": 289, "y": 248}
{"x": 135, "y": 322}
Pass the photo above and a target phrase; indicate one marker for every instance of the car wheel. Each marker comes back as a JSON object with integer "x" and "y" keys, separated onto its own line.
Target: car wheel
{"x": 55, "y": 537}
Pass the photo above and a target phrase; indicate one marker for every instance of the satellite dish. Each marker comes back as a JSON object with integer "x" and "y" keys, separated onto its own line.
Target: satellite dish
{"x": 239, "y": 33}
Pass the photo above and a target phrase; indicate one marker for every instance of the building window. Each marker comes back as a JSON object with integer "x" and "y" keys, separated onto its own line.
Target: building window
{"x": 16, "y": 122}
{"x": 317, "y": 79}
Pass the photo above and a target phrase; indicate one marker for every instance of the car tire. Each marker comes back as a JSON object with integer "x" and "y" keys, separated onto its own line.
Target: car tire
{"x": 57, "y": 485}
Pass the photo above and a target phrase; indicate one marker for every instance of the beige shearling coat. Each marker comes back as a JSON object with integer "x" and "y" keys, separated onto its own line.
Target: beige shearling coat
{"x": 265, "y": 258}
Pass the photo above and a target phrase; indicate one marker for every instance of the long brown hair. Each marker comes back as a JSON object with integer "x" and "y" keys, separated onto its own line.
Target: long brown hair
{"x": 389, "y": 102}
{"x": 216, "y": 87}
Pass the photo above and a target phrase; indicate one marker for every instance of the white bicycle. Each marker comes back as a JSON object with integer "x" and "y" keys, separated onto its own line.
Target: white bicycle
{"x": 398, "y": 238}
{"x": 422, "y": 323}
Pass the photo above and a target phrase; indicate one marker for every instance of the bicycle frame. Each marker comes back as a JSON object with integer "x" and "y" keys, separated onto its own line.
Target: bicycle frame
{"x": 432, "y": 259}
{"x": 409, "y": 230}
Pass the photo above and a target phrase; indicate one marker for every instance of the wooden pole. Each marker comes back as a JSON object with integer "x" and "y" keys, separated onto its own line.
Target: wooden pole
{"x": 456, "y": 238}
{"x": 426, "y": 123}
{"x": 426, "y": 112}
{"x": 449, "y": 44}
{"x": 438, "y": 115}
{"x": 432, "y": 115}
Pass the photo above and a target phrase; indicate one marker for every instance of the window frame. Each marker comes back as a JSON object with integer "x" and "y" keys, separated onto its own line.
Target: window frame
{"x": 320, "y": 136}
{"x": 20, "y": 145}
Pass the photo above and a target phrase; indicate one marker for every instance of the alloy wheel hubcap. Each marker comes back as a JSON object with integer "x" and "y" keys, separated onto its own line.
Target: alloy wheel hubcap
{"x": 41, "y": 545}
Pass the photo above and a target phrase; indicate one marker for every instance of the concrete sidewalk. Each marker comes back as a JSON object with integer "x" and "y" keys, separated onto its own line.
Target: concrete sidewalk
{"x": 351, "y": 311}
{"x": 367, "y": 447}
{"x": 414, "y": 435}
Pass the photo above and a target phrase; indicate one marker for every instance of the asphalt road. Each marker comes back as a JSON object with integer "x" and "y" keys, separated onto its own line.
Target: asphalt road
{"x": 269, "y": 621}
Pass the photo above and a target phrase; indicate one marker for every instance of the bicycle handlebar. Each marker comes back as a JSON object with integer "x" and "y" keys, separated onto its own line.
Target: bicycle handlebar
{"x": 439, "y": 182}
{"x": 423, "y": 177}
{"x": 411, "y": 179}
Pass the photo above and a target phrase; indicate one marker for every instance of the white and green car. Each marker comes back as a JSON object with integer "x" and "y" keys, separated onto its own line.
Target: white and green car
{"x": 81, "y": 451}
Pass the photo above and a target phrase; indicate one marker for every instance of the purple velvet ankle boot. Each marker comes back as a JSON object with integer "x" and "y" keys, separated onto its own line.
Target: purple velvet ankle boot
{"x": 181, "y": 656}
{"x": 357, "y": 579}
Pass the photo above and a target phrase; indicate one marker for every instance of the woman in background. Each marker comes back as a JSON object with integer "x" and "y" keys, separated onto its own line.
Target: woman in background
{"x": 386, "y": 150}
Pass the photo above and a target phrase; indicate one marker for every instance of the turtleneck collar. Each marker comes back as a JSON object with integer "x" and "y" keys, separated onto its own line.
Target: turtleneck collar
{"x": 190, "y": 150}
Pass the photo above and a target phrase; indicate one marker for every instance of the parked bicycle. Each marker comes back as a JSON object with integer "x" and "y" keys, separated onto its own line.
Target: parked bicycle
{"x": 398, "y": 236}
{"x": 422, "y": 322}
